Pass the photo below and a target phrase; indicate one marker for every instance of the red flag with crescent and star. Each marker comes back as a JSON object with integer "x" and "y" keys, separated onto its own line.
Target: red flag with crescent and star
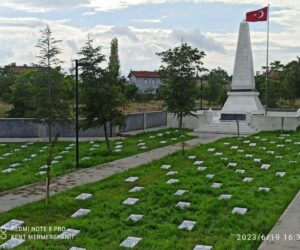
{"x": 260, "y": 15}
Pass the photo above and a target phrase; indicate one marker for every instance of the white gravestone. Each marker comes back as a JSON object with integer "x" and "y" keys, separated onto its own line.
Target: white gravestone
{"x": 216, "y": 185}
{"x": 130, "y": 242}
{"x": 68, "y": 234}
{"x": 135, "y": 217}
{"x": 265, "y": 189}
{"x": 130, "y": 201}
{"x": 136, "y": 189}
{"x": 183, "y": 205}
{"x": 239, "y": 210}
{"x": 203, "y": 247}
{"x": 201, "y": 168}
{"x": 132, "y": 179}
{"x": 192, "y": 157}
{"x": 172, "y": 181}
{"x": 210, "y": 176}
{"x": 265, "y": 166}
{"x": 180, "y": 192}
{"x": 240, "y": 171}
{"x": 77, "y": 248}
{"x": 187, "y": 224}
{"x": 280, "y": 174}
{"x": 247, "y": 179}
{"x": 165, "y": 166}
{"x": 172, "y": 173}
{"x": 197, "y": 163}
{"x": 225, "y": 197}
{"x": 12, "y": 225}
{"x": 81, "y": 212}
{"x": 84, "y": 196}
{"x": 12, "y": 243}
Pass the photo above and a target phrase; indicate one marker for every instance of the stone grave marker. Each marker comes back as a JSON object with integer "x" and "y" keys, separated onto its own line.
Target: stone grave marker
{"x": 240, "y": 171}
{"x": 135, "y": 217}
{"x": 192, "y": 157}
{"x": 248, "y": 156}
{"x": 172, "y": 173}
{"x": 203, "y": 247}
{"x": 239, "y": 210}
{"x": 216, "y": 185}
{"x": 80, "y": 212}
{"x": 130, "y": 242}
{"x": 232, "y": 164}
{"x": 12, "y": 225}
{"x": 247, "y": 179}
{"x": 280, "y": 174}
{"x": 77, "y": 248}
{"x": 187, "y": 224}
{"x": 165, "y": 167}
{"x": 211, "y": 150}
{"x": 132, "y": 179}
{"x": 12, "y": 243}
{"x": 257, "y": 160}
{"x": 180, "y": 192}
{"x": 265, "y": 166}
{"x": 136, "y": 189}
{"x": 210, "y": 176}
{"x": 8, "y": 170}
{"x": 265, "y": 189}
{"x": 183, "y": 205}
{"x": 172, "y": 181}
{"x": 201, "y": 168}
{"x": 130, "y": 201}
{"x": 225, "y": 197}
{"x": 84, "y": 196}
{"x": 197, "y": 163}
{"x": 68, "y": 234}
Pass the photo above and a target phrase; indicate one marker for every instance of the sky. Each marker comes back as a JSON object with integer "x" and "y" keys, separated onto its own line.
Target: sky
{"x": 146, "y": 27}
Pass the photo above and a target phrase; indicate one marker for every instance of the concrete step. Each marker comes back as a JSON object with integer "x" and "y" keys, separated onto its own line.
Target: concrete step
{"x": 227, "y": 128}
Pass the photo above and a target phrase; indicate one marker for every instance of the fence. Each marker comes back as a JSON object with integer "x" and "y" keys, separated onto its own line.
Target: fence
{"x": 29, "y": 128}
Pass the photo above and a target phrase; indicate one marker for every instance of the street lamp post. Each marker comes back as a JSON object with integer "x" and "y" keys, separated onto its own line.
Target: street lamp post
{"x": 201, "y": 97}
{"x": 77, "y": 113}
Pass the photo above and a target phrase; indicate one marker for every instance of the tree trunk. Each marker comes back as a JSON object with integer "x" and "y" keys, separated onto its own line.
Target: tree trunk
{"x": 180, "y": 122}
{"x": 110, "y": 129}
{"x": 238, "y": 127}
{"x": 47, "y": 185}
{"x": 106, "y": 138}
{"x": 49, "y": 132}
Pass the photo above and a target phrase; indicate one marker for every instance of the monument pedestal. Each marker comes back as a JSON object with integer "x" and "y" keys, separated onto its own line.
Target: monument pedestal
{"x": 238, "y": 104}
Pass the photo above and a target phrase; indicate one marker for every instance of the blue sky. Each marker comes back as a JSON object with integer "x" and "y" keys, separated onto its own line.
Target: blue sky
{"x": 145, "y": 27}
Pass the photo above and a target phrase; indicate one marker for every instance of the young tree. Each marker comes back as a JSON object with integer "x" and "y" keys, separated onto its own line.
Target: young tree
{"x": 7, "y": 81}
{"x": 49, "y": 49}
{"x": 178, "y": 70}
{"x": 101, "y": 101}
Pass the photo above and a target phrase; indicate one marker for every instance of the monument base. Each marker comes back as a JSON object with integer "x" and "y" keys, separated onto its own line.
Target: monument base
{"x": 238, "y": 104}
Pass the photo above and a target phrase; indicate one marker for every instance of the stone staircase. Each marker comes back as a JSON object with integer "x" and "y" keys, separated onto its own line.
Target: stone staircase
{"x": 227, "y": 127}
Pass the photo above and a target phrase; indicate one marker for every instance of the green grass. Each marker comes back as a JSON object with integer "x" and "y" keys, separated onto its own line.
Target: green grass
{"x": 26, "y": 173}
{"x": 107, "y": 226}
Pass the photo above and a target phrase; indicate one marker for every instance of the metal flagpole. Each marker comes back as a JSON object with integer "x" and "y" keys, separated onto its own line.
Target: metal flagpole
{"x": 267, "y": 63}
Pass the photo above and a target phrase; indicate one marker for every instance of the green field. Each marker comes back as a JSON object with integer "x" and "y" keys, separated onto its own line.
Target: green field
{"x": 32, "y": 157}
{"x": 106, "y": 226}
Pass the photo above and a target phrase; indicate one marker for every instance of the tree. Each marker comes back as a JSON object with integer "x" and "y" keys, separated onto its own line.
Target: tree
{"x": 179, "y": 89}
{"x": 101, "y": 101}
{"x": 216, "y": 87}
{"x": 131, "y": 92}
{"x": 114, "y": 72}
{"x": 7, "y": 80}
{"x": 49, "y": 49}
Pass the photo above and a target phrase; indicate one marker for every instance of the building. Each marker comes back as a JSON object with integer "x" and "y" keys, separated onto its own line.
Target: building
{"x": 145, "y": 81}
{"x": 20, "y": 69}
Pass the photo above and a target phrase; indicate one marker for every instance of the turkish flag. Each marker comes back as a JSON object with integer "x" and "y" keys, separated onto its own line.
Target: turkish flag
{"x": 260, "y": 15}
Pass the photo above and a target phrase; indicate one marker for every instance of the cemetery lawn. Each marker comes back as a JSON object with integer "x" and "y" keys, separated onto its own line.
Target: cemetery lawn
{"x": 106, "y": 226}
{"x": 32, "y": 157}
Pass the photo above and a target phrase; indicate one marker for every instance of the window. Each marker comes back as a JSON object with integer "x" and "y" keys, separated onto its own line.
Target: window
{"x": 153, "y": 81}
{"x": 146, "y": 81}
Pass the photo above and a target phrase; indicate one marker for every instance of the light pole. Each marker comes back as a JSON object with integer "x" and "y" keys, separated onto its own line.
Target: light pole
{"x": 77, "y": 113}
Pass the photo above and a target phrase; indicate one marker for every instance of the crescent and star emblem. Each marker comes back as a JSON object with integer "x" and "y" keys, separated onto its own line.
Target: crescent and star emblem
{"x": 260, "y": 14}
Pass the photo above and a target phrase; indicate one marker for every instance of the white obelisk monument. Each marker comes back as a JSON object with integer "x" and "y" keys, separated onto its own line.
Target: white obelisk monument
{"x": 243, "y": 97}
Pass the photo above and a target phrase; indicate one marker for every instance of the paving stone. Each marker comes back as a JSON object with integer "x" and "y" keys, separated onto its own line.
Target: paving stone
{"x": 172, "y": 173}
{"x": 216, "y": 185}
{"x": 225, "y": 197}
{"x": 135, "y": 217}
{"x": 198, "y": 163}
{"x": 187, "y": 224}
{"x": 136, "y": 189}
{"x": 201, "y": 168}
{"x": 265, "y": 166}
{"x": 8, "y": 170}
{"x": 203, "y": 247}
{"x": 165, "y": 166}
{"x": 239, "y": 210}
{"x": 247, "y": 179}
{"x": 132, "y": 179}
{"x": 84, "y": 196}
{"x": 240, "y": 171}
{"x": 192, "y": 157}
{"x": 80, "y": 212}
{"x": 180, "y": 192}
{"x": 183, "y": 205}
{"x": 280, "y": 174}
{"x": 172, "y": 181}
{"x": 130, "y": 201}
{"x": 130, "y": 242}
{"x": 232, "y": 164}
{"x": 265, "y": 189}
{"x": 210, "y": 176}
{"x": 12, "y": 243}
{"x": 68, "y": 234}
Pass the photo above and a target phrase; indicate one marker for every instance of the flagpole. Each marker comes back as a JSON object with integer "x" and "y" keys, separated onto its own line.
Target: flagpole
{"x": 267, "y": 61}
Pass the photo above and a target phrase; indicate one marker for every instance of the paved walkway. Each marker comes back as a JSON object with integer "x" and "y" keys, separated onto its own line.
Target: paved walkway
{"x": 34, "y": 192}
{"x": 287, "y": 229}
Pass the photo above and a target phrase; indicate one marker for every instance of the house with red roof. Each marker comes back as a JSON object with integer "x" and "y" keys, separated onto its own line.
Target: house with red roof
{"x": 145, "y": 81}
